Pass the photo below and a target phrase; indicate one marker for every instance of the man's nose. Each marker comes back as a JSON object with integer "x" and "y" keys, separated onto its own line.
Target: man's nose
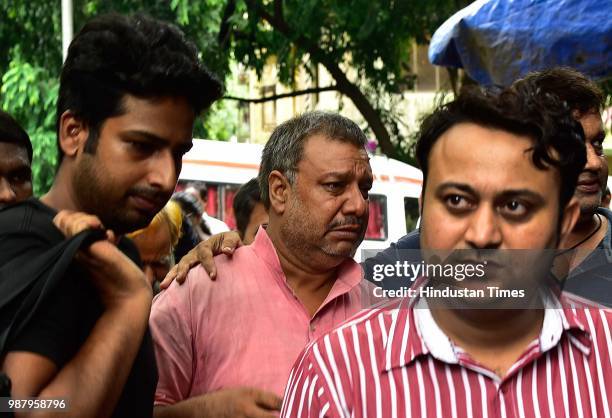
{"x": 164, "y": 171}
{"x": 483, "y": 230}
{"x": 7, "y": 194}
{"x": 594, "y": 161}
{"x": 356, "y": 204}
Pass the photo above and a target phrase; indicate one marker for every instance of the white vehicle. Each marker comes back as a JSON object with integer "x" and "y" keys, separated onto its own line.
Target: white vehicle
{"x": 224, "y": 166}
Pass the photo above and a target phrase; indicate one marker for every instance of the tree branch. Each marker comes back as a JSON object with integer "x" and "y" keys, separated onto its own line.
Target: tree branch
{"x": 344, "y": 85}
{"x": 278, "y": 10}
{"x": 283, "y": 95}
{"x": 224, "y": 28}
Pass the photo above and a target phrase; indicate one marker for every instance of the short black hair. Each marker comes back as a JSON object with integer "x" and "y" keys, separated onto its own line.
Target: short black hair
{"x": 200, "y": 187}
{"x": 190, "y": 204}
{"x": 245, "y": 200}
{"x": 284, "y": 150}
{"x": 522, "y": 109}
{"x": 11, "y": 132}
{"x": 569, "y": 85}
{"x": 114, "y": 55}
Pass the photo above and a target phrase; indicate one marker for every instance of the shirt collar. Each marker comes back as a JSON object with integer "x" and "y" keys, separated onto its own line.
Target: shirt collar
{"x": 350, "y": 272}
{"x": 425, "y": 337}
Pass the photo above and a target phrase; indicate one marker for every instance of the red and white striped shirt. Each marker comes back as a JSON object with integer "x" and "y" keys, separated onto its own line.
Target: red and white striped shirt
{"x": 391, "y": 362}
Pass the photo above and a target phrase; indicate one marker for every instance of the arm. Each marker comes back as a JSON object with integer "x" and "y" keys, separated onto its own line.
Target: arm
{"x": 174, "y": 310}
{"x": 203, "y": 253}
{"x": 228, "y": 403}
{"x": 103, "y": 362}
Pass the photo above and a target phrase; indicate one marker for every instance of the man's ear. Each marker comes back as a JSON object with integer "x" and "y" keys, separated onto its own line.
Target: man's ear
{"x": 570, "y": 217}
{"x": 73, "y": 134}
{"x": 279, "y": 190}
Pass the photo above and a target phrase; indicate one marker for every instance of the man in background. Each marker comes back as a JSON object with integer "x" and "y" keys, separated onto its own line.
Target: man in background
{"x": 157, "y": 241}
{"x": 589, "y": 245}
{"x": 200, "y": 191}
{"x": 249, "y": 211}
{"x": 15, "y": 162}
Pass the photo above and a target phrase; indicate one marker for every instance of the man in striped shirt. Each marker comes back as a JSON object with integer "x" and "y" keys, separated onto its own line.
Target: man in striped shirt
{"x": 499, "y": 170}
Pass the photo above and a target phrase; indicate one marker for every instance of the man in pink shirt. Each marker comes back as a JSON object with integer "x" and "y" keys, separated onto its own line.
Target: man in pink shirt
{"x": 225, "y": 347}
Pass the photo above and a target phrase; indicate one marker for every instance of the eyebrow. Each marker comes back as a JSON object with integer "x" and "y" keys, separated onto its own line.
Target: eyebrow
{"x": 342, "y": 175}
{"x": 506, "y": 194}
{"x": 509, "y": 194}
{"x": 453, "y": 185}
{"x": 18, "y": 167}
{"x": 158, "y": 140}
{"x": 145, "y": 135}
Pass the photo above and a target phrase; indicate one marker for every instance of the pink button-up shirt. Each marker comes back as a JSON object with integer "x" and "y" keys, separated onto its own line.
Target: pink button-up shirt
{"x": 244, "y": 329}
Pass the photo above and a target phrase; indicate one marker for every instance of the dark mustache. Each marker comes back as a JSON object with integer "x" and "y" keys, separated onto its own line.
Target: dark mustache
{"x": 150, "y": 193}
{"x": 588, "y": 175}
{"x": 349, "y": 220}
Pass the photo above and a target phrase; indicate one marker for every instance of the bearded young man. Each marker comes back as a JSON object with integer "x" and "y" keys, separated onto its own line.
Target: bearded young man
{"x": 512, "y": 190}
{"x": 233, "y": 340}
{"x": 130, "y": 90}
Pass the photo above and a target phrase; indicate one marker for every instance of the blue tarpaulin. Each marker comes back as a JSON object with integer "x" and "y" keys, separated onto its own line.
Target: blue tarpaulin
{"x": 498, "y": 41}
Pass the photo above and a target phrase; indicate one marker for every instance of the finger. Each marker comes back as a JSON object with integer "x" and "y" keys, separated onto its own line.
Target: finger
{"x": 86, "y": 222}
{"x": 230, "y": 242}
{"x": 254, "y": 411}
{"x": 169, "y": 278}
{"x": 59, "y": 220}
{"x": 206, "y": 258}
{"x": 182, "y": 268}
{"x": 268, "y": 400}
{"x": 112, "y": 237}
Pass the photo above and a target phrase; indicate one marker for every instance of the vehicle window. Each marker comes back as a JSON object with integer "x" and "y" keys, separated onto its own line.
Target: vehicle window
{"x": 411, "y": 209}
{"x": 377, "y": 222}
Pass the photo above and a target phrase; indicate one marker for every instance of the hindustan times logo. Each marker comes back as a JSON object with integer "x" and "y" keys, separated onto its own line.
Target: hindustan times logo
{"x": 413, "y": 271}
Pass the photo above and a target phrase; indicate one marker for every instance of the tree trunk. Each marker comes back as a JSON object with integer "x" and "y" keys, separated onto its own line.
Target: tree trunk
{"x": 344, "y": 85}
{"x": 369, "y": 113}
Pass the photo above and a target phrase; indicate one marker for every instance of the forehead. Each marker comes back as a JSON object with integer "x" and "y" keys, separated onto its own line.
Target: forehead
{"x": 592, "y": 125}
{"x": 169, "y": 118}
{"x": 488, "y": 160}
{"x": 322, "y": 155}
{"x": 154, "y": 242}
{"x": 12, "y": 156}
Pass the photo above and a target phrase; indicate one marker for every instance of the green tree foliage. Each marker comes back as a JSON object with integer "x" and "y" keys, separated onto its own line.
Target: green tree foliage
{"x": 363, "y": 44}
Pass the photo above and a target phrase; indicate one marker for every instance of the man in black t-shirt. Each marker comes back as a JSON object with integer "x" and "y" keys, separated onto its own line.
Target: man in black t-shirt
{"x": 130, "y": 90}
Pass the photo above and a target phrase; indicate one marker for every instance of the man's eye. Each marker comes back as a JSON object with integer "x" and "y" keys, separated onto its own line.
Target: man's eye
{"x": 457, "y": 202}
{"x": 178, "y": 155}
{"x": 365, "y": 192}
{"x": 142, "y": 147}
{"x": 21, "y": 178}
{"x": 334, "y": 186}
{"x": 598, "y": 146}
{"x": 514, "y": 208}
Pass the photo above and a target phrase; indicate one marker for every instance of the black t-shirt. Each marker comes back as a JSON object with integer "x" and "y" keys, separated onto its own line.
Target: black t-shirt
{"x": 63, "y": 323}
